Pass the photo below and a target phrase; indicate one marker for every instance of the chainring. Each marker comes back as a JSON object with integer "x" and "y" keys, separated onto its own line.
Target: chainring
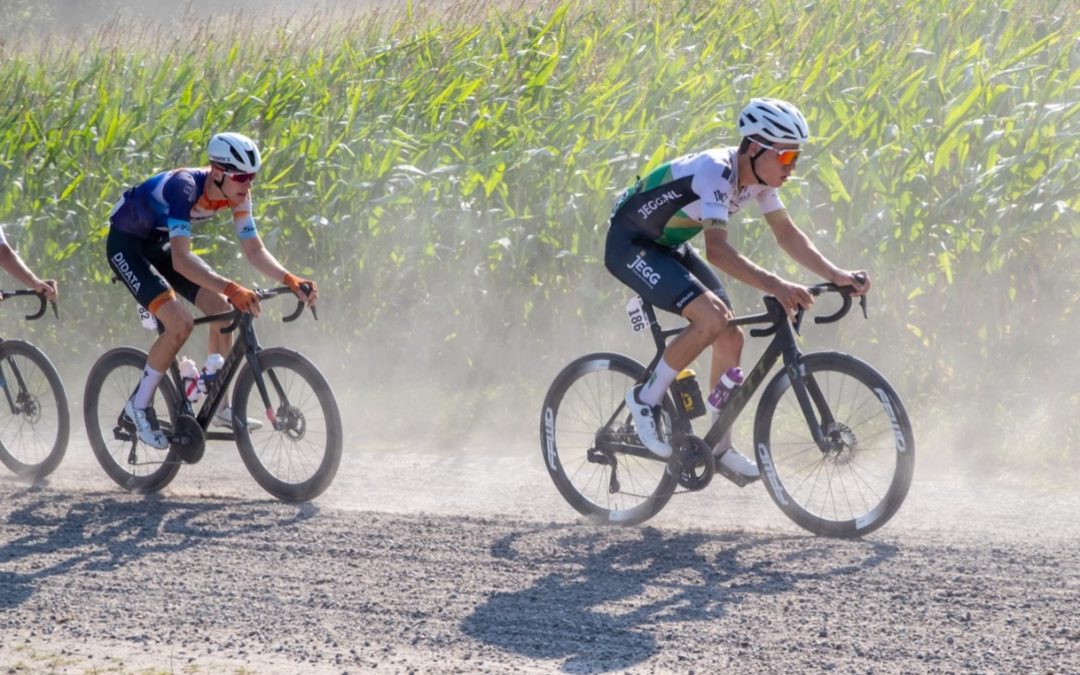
{"x": 693, "y": 460}
{"x": 188, "y": 439}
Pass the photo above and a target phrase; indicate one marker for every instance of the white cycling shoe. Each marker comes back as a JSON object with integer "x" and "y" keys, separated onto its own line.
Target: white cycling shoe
{"x": 647, "y": 427}
{"x": 736, "y": 467}
{"x": 146, "y": 425}
{"x": 223, "y": 418}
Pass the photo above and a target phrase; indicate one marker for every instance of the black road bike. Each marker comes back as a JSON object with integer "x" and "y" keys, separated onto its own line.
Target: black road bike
{"x": 35, "y": 422}
{"x": 293, "y": 456}
{"x": 832, "y": 439}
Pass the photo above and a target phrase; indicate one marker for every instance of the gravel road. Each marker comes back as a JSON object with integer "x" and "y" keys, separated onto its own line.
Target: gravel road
{"x": 468, "y": 562}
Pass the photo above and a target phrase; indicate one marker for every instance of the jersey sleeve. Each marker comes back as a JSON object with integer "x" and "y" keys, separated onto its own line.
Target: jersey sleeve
{"x": 180, "y": 193}
{"x": 244, "y": 221}
{"x": 712, "y": 183}
{"x": 769, "y": 200}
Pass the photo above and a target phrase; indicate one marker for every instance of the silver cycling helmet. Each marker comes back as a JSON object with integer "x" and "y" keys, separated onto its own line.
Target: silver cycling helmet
{"x": 234, "y": 152}
{"x": 774, "y": 120}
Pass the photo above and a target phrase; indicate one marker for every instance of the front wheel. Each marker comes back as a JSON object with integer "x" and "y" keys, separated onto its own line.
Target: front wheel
{"x": 131, "y": 463}
{"x": 852, "y": 482}
{"x": 34, "y": 417}
{"x": 591, "y": 448}
{"x": 295, "y": 454}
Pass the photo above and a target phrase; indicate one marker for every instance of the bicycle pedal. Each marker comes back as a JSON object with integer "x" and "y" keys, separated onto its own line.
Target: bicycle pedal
{"x": 124, "y": 423}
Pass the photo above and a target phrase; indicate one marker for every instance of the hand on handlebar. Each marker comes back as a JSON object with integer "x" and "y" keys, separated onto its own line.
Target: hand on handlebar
{"x": 793, "y": 297}
{"x": 244, "y": 299}
{"x": 305, "y": 289}
{"x": 46, "y": 287}
{"x": 859, "y": 281}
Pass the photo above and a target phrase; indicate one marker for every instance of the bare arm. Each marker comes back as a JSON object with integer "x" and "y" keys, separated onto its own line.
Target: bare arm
{"x": 193, "y": 267}
{"x": 13, "y": 264}
{"x": 798, "y": 246}
{"x": 262, "y": 259}
{"x": 720, "y": 252}
{"x": 723, "y": 255}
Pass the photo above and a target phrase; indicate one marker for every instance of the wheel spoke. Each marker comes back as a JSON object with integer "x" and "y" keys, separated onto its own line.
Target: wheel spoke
{"x": 861, "y": 477}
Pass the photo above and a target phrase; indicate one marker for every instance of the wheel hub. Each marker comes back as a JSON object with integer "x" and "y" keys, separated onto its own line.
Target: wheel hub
{"x": 29, "y": 407}
{"x": 292, "y": 421}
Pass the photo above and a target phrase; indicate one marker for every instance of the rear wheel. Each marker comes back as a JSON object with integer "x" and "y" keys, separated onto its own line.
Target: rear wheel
{"x": 131, "y": 463}
{"x": 296, "y": 459}
{"x": 34, "y": 417}
{"x": 584, "y": 423}
{"x": 854, "y": 484}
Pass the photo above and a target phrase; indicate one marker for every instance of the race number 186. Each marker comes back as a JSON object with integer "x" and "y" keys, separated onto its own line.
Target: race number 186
{"x": 637, "y": 314}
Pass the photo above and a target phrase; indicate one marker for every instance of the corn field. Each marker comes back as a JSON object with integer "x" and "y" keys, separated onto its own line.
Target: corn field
{"x": 445, "y": 171}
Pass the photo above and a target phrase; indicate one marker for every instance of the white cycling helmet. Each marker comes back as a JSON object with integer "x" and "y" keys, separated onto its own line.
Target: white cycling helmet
{"x": 774, "y": 120}
{"x": 234, "y": 152}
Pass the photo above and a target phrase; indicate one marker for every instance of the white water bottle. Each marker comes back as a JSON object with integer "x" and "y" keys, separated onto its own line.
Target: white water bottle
{"x": 720, "y": 394}
{"x": 213, "y": 364}
{"x": 189, "y": 373}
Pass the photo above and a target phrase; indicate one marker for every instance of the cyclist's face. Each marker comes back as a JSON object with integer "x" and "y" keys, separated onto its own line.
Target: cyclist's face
{"x": 235, "y": 188}
{"x": 777, "y": 162}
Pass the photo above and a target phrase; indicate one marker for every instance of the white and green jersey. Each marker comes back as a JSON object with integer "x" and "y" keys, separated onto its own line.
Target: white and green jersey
{"x": 673, "y": 202}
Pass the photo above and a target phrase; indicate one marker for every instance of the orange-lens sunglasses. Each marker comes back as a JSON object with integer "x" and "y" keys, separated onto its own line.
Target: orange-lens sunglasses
{"x": 786, "y": 156}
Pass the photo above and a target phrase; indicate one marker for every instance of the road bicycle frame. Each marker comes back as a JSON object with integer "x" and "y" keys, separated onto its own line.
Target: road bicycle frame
{"x": 247, "y": 347}
{"x": 783, "y": 345}
{"x": 20, "y": 402}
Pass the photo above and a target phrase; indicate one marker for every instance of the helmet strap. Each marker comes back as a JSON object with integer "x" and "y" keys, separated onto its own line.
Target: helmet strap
{"x": 218, "y": 183}
{"x": 753, "y": 165}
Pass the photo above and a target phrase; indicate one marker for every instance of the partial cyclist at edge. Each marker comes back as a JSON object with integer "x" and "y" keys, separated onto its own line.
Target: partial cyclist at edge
{"x": 14, "y": 265}
{"x": 149, "y": 249}
{"x": 648, "y": 249}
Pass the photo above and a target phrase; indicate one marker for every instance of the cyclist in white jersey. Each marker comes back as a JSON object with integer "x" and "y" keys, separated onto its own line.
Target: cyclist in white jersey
{"x": 648, "y": 249}
{"x": 13, "y": 264}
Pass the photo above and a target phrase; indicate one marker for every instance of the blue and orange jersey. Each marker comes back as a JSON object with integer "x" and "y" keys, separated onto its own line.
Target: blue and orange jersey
{"x": 169, "y": 203}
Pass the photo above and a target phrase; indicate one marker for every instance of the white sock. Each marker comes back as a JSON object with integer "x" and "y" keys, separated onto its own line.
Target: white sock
{"x": 653, "y": 392}
{"x": 147, "y": 385}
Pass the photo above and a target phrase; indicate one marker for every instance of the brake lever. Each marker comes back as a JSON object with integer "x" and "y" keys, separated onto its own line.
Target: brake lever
{"x": 797, "y": 323}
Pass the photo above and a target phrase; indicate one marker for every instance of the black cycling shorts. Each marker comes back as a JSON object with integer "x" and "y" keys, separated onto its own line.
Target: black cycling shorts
{"x": 145, "y": 267}
{"x": 665, "y": 277}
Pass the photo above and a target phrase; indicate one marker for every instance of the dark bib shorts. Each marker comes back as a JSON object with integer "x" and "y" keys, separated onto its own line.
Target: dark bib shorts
{"x": 665, "y": 277}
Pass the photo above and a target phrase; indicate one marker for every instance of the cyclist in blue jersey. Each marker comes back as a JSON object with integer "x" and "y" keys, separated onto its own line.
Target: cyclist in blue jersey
{"x": 648, "y": 249}
{"x": 149, "y": 249}
{"x": 13, "y": 264}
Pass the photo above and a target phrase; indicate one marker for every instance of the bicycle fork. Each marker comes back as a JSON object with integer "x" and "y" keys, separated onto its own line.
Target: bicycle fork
{"x": 20, "y": 400}
{"x": 815, "y": 409}
{"x": 260, "y": 383}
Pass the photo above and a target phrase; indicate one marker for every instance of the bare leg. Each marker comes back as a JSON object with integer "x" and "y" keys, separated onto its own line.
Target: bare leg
{"x": 210, "y": 302}
{"x": 727, "y": 352}
{"x": 178, "y": 324}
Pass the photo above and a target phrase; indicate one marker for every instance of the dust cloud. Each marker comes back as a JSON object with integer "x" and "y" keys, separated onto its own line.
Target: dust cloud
{"x": 402, "y": 394}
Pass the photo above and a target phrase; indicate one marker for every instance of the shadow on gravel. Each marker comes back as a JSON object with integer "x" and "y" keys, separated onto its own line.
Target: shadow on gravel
{"x": 604, "y": 594}
{"x": 69, "y": 534}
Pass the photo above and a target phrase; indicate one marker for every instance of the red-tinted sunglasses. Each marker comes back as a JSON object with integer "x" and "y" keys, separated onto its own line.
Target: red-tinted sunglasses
{"x": 240, "y": 177}
{"x": 786, "y": 157}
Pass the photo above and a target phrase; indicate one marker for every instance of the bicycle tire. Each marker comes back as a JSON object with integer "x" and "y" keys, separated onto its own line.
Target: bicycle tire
{"x": 34, "y": 418}
{"x": 136, "y": 467}
{"x": 577, "y": 408}
{"x": 311, "y": 401}
{"x": 860, "y": 482}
